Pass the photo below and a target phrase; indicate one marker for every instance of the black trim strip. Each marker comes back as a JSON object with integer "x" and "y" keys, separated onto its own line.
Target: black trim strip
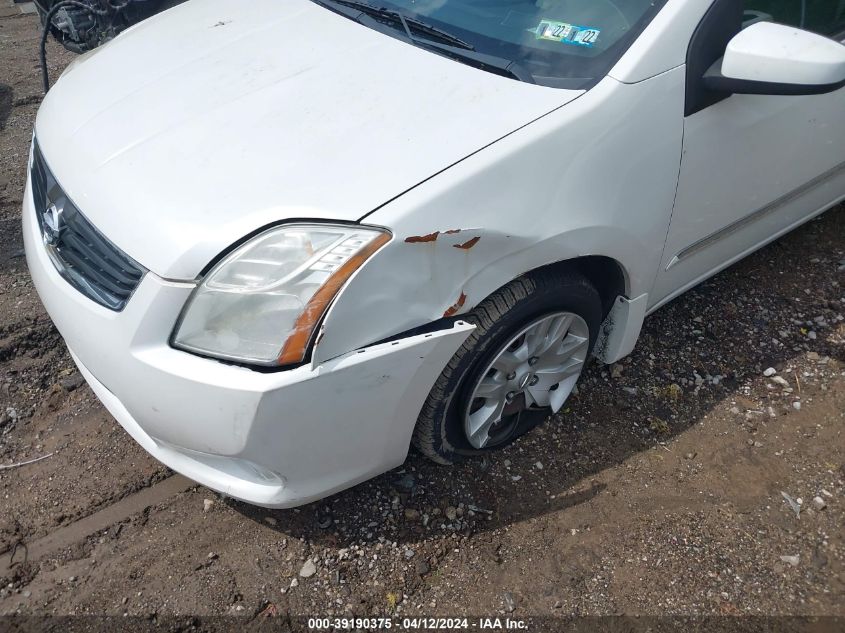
{"x": 717, "y": 82}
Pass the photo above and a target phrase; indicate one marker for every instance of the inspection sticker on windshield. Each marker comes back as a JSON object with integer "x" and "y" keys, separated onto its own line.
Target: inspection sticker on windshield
{"x": 566, "y": 33}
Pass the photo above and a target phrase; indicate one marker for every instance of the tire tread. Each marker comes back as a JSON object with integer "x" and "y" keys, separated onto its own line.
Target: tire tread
{"x": 426, "y": 436}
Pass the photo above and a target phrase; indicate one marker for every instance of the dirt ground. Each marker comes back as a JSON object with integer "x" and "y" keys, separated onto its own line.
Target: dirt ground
{"x": 658, "y": 491}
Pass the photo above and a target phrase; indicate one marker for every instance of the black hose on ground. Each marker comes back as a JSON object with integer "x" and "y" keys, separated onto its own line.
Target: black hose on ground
{"x": 45, "y": 31}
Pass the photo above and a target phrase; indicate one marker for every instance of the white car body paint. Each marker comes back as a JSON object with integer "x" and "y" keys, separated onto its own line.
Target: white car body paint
{"x": 798, "y": 57}
{"x": 257, "y": 99}
{"x": 241, "y": 117}
{"x": 541, "y": 196}
{"x": 221, "y": 424}
{"x": 621, "y": 328}
{"x": 727, "y": 205}
{"x": 663, "y": 44}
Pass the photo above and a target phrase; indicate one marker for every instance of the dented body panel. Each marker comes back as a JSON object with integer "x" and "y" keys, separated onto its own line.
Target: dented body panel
{"x": 536, "y": 197}
{"x": 272, "y": 439}
{"x": 246, "y": 118}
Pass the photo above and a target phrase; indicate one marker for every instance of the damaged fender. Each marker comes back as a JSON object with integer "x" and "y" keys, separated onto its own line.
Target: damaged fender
{"x": 508, "y": 209}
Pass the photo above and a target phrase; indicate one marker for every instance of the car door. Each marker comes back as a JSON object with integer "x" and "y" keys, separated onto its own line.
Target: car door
{"x": 753, "y": 166}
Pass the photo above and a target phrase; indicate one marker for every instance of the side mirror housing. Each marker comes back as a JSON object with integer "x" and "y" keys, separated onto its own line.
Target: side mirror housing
{"x": 773, "y": 59}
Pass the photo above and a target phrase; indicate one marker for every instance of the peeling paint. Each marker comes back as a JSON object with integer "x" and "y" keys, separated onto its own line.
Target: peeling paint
{"x": 458, "y": 305}
{"x": 419, "y": 239}
{"x": 468, "y": 244}
{"x": 431, "y": 237}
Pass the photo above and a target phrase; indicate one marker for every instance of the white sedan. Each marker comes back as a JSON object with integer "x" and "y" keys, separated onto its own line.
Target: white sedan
{"x": 286, "y": 240}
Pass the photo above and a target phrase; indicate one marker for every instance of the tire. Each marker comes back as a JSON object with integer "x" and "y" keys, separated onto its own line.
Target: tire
{"x": 440, "y": 431}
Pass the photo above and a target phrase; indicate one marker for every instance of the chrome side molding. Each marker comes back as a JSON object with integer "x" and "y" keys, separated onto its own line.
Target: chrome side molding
{"x": 754, "y": 216}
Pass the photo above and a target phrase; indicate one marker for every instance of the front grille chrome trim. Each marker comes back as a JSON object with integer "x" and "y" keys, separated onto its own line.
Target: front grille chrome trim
{"x": 82, "y": 255}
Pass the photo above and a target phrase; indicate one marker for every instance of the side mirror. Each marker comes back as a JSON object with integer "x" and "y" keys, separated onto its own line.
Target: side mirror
{"x": 772, "y": 59}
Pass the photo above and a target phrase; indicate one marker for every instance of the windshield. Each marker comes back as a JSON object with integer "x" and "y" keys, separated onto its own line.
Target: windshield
{"x": 562, "y": 43}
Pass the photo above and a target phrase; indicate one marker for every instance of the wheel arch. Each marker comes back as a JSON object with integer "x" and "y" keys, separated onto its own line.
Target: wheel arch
{"x": 622, "y": 315}
{"x": 422, "y": 281}
{"x": 607, "y": 275}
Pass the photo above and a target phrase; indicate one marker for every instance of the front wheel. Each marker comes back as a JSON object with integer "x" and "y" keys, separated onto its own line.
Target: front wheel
{"x": 531, "y": 341}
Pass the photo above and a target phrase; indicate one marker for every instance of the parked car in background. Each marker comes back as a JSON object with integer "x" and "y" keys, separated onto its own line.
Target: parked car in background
{"x": 285, "y": 240}
{"x": 83, "y": 25}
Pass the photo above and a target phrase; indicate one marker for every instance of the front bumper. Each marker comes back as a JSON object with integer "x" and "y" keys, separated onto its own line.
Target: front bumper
{"x": 276, "y": 439}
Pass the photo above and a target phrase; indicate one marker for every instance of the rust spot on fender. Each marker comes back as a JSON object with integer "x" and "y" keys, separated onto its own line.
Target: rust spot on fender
{"x": 421, "y": 239}
{"x": 468, "y": 244}
{"x": 458, "y": 305}
{"x": 452, "y": 231}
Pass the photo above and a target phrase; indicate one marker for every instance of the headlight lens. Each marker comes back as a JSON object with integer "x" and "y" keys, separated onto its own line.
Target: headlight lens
{"x": 262, "y": 302}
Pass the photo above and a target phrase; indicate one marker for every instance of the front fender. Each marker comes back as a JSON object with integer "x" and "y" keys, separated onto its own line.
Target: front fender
{"x": 418, "y": 279}
{"x": 595, "y": 177}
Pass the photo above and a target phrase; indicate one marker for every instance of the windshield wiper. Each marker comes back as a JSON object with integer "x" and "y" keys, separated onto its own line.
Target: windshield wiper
{"x": 448, "y": 44}
{"x": 431, "y": 31}
{"x": 408, "y": 23}
{"x": 490, "y": 63}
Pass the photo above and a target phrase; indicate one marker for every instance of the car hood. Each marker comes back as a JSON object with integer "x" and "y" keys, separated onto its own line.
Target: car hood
{"x": 218, "y": 117}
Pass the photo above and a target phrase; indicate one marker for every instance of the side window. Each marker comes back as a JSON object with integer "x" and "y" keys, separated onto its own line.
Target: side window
{"x": 826, "y": 17}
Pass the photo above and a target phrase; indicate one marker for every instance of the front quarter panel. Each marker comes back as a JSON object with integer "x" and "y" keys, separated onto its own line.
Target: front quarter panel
{"x": 595, "y": 177}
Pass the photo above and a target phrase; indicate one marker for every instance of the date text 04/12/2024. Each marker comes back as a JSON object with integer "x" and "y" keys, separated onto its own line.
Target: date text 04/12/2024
{"x": 419, "y": 623}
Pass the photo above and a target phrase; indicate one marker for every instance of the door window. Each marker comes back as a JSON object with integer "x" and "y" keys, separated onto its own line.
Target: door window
{"x": 826, "y": 17}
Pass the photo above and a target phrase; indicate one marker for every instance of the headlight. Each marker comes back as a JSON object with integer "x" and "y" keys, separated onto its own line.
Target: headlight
{"x": 262, "y": 302}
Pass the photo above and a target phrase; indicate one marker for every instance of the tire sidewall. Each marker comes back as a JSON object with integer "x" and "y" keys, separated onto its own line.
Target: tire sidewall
{"x": 579, "y": 298}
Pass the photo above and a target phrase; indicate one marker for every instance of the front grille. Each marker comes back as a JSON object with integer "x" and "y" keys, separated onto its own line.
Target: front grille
{"x": 81, "y": 254}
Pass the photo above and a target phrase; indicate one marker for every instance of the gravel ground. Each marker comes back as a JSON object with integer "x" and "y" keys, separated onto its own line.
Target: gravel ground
{"x": 657, "y": 491}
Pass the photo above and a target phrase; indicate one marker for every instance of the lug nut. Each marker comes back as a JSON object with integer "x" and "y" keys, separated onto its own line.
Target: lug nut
{"x": 533, "y": 360}
{"x": 534, "y": 380}
{"x": 510, "y": 396}
{"x": 511, "y": 375}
